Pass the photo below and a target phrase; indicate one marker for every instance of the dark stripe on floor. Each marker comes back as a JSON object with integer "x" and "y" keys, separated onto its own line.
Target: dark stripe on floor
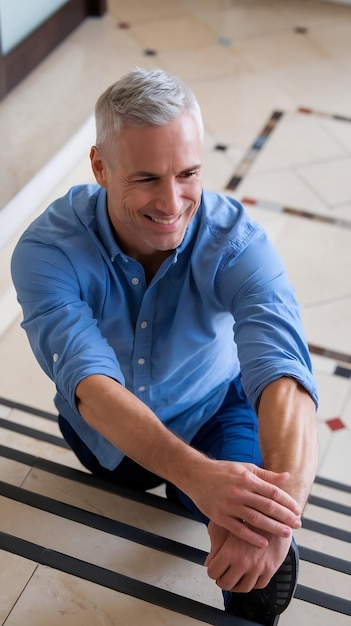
{"x": 277, "y": 208}
{"x": 119, "y": 582}
{"x": 322, "y": 599}
{"x": 254, "y": 150}
{"x": 102, "y": 523}
{"x": 33, "y": 433}
{"x": 28, "y": 409}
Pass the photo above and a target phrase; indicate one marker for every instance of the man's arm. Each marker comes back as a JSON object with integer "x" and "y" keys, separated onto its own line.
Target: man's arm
{"x": 287, "y": 431}
{"x": 224, "y": 491}
{"x": 288, "y": 435}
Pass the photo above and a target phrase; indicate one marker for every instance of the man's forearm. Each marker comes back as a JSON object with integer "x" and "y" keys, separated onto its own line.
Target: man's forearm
{"x": 133, "y": 428}
{"x": 288, "y": 438}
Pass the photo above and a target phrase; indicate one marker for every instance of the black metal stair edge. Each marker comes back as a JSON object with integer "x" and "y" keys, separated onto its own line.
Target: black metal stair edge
{"x": 119, "y": 582}
{"x": 28, "y": 409}
{"x": 143, "y": 497}
{"x": 102, "y": 523}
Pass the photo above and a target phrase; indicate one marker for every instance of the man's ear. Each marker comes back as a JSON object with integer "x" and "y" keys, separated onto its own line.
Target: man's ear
{"x": 98, "y": 166}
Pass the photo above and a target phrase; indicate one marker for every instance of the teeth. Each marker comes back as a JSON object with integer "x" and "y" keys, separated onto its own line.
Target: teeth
{"x": 159, "y": 221}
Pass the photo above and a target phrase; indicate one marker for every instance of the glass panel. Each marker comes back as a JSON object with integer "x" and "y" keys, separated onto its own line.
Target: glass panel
{"x": 18, "y": 18}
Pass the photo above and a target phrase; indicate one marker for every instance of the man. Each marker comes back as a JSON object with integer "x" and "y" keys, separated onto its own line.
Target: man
{"x": 166, "y": 320}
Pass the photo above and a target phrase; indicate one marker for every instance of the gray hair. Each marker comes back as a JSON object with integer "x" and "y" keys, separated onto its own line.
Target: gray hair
{"x": 142, "y": 98}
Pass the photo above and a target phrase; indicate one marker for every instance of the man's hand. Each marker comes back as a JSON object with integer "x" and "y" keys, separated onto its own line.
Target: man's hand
{"x": 239, "y": 567}
{"x": 231, "y": 492}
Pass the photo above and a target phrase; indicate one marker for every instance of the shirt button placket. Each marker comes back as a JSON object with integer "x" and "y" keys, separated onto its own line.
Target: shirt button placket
{"x": 142, "y": 342}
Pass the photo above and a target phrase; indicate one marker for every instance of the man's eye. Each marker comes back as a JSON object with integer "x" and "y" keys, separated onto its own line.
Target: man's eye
{"x": 189, "y": 174}
{"x": 150, "y": 179}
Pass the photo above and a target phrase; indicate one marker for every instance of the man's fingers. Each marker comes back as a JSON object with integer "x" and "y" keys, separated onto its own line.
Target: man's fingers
{"x": 276, "y": 478}
{"x": 266, "y": 485}
{"x": 269, "y": 516}
{"x": 244, "y": 532}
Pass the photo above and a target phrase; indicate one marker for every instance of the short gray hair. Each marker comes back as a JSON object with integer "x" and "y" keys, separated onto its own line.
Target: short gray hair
{"x": 142, "y": 98}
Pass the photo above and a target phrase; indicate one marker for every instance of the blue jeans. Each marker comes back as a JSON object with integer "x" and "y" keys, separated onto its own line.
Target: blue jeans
{"x": 229, "y": 435}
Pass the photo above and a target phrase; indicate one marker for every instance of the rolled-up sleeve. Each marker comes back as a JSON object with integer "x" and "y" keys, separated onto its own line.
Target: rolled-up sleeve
{"x": 268, "y": 329}
{"x": 60, "y": 326}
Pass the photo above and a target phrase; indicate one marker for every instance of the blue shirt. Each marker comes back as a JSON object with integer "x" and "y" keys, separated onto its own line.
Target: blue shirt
{"x": 219, "y": 305}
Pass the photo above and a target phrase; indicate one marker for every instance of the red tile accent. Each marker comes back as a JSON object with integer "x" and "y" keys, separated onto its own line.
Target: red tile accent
{"x": 335, "y": 423}
{"x": 246, "y": 200}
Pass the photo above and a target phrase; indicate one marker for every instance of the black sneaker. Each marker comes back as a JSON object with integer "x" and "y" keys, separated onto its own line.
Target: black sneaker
{"x": 264, "y": 606}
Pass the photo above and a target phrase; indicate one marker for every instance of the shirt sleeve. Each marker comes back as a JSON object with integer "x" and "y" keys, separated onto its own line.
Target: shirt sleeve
{"x": 268, "y": 330}
{"x": 60, "y": 326}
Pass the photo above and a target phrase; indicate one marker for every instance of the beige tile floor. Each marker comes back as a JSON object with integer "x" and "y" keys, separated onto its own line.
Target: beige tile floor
{"x": 244, "y": 60}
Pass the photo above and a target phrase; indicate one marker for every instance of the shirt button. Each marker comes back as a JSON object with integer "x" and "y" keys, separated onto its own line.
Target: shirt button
{"x": 143, "y": 325}
{"x": 135, "y": 281}
{"x": 141, "y": 361}
{"x": 55, "y": 357}
{"x": 142, "y": 388}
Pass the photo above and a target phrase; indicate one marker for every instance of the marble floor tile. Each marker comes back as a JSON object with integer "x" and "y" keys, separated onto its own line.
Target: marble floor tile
{"x": 346, "y": 411}
{"x": 333, "y": 393}
{"x": 329, "y": 493}
{"x": 40, "y": 424}
{"x": 343, "y": 211}
{"x": 336, "y": 462}
{"x": 318, "y": 278}
{"x": 105, "y": 550}
{"x": 307, "y": 614}
{"x": 230, "y": 104}
{"x": 118, "y": 508}
{"x": 60, "y": 599}
{"x": 286, "y": 189}
{"x": 335, "y": 41}
{"x": 39, "y": 448}
{"x": 294, "y": 49}
{"x": 323, "y": 365}
{"x": 329, "y": 517}
{"x": 173, "y": 34}
{"x": 324, "y": 544}
{"x": 313, "y": 14}
{"x": 335, "y": 583}
{"x": 328, "y": 324}
{"x": 23, "y": 372}
{"x": 241, "y": 20}
{"x": 15, "y": 572}
{"x": 330, "y": 180}
{"x": 324, "y": 440}
{"x": 148, "y": 10}
{"x": 340, "y": 130}
{"x": 13, "y": 472}
{"x": 299, "y": 139}
{"x": 206, "y": 62}
{"x": 307, "y": 88}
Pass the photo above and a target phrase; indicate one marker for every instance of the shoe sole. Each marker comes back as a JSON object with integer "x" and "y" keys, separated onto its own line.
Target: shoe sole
{"x": 284, "y": 581}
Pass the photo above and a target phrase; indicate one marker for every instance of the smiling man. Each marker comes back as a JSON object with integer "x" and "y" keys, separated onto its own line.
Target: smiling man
{"x": 166, "y": 320}
{"x": 153, "y": 178}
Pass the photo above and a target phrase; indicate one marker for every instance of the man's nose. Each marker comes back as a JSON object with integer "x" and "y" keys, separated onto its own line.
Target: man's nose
{"x": 169, "y": 197}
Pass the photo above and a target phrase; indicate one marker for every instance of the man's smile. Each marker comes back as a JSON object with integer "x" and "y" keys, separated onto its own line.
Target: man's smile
{"x": 159, "y": 220}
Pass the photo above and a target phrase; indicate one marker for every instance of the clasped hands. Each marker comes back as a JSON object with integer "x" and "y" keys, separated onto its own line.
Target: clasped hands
{"x": 251, "y": 524}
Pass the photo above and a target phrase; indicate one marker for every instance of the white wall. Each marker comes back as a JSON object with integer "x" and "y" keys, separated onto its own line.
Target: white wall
{"x": 18, "y": 18}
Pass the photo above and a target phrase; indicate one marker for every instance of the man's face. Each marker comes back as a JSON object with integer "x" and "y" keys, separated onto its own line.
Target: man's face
{"x": 153, "y": 185}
